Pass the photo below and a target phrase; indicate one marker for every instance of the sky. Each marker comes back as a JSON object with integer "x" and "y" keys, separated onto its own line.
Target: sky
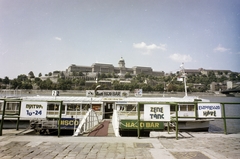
{"x": 43, "y": 36}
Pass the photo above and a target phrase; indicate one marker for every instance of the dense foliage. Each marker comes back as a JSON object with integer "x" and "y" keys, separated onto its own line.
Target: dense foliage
{"x": 146, "y": 82}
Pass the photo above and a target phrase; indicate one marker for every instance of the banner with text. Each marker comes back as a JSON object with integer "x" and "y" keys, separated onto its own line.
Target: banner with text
{"x": 33, "y": 109}
{"x": 209, "y": 110}
{"x": 156, "y": 112}
{"x": 147, "y": 125}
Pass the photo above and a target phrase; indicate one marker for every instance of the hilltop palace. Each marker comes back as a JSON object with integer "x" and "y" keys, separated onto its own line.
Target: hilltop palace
{"x": 121, "y": 70}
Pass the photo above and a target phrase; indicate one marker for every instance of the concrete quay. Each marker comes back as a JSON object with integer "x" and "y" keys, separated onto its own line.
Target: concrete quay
{"x": 194, "y": 145}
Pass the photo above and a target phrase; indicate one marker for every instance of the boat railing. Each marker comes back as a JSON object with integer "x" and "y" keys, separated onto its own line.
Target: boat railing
{"x": 88, "y": 122}
{"x": 115, "y": 123}
{"x": 131, "y": 114}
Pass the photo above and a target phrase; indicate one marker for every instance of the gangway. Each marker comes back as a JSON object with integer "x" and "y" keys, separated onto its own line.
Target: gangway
{"x": 88, "y": 122}
{"x": 115, "y": 123}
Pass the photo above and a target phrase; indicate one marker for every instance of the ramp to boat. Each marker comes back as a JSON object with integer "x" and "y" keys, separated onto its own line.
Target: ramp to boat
{"x": 104, "y": 129}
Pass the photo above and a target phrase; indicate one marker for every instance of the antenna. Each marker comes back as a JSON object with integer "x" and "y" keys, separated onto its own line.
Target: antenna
{"x": 184, "y": 78}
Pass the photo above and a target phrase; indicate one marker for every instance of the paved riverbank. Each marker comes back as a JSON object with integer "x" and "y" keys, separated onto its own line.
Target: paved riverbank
{"x": 191, "y": 146}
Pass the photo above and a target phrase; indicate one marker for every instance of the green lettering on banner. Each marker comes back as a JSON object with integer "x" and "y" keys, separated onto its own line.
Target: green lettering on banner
{"x": 148, "y": 125}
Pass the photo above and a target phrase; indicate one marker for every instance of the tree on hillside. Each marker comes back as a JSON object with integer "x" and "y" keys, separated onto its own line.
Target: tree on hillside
{"x": 22, "y": 78}
{"x": 234, "y": 76}
{"x": 6, "y": 80}
{"x": 128, "y": 75}
{"x": 31, "y": 74}
{"x": 47, "y": 84}
{"x": 16, "y": 84}
{"x": 103, "y": 75}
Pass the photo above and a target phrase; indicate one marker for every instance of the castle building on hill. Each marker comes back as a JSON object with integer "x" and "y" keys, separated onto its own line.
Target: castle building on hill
{"x": 92, "y": 72}
{"x": 121, "y": 70}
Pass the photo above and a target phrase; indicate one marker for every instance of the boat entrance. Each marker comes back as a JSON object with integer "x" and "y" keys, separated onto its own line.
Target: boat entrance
{"x": 108, "y": 107}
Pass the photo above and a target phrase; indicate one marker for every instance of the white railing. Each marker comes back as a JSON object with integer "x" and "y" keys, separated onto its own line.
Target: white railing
{"x": 88, "y": 122}
{"x": 115, "y": 123}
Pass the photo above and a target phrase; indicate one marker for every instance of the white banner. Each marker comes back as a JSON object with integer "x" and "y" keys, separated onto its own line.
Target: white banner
{"x": 209, "y": 110}
{"x": 90, "y": 93}
{"x": 107, "y": 93}
{"x": 156, "y": 112}
{"x": 55, "y": 93}
{"x": 180, "y": 79}
{"x": 33, "y": 109}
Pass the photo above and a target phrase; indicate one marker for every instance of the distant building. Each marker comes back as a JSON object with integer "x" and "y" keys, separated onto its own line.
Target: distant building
{"x": 92, "y": 72}
{"x": 121, "y": 70}
{"x": 202, "y": 71}
{"x": 214, "y": 86}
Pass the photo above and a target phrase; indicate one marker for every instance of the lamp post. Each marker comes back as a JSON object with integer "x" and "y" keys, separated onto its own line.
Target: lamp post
{"x": 95, "y": 91}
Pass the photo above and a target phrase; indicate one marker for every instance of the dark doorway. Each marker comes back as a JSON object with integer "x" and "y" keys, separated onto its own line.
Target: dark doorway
{"x": 108, "y": 110}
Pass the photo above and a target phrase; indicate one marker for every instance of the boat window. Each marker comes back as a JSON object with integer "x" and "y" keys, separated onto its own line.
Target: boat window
{"x": 190, "y": 107}
{"x": 73, "y": 107}
{"x": 183, "y": 107}
{"x": 131, "y": 108}
{"x": 172, "y": 108}
{"x": 12, "y": 106}
{"x": 96, "y": 107}
{"x": 53, "y": 106}
{"x": 121, "y": 107}
{"x": 85, "y": 107}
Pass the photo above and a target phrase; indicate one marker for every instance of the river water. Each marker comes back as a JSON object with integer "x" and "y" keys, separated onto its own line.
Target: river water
{"x": 233, "y": 125}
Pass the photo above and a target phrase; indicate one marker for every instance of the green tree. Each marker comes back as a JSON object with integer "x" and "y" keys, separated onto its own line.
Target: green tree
{"x": 65, "y": 84}
{"x": 128, "y": 75}
{"x": 15, "y": 84}
{"x": 103, "y": 75}
{"x": 31, "y": 74}
{"x": 234, "y": 76}
{"x": 109, "y": 75}
{"x": 47, "y": 84}
{"x": 6, "y": 80}
{"x": 22, "y": 78}
{"x": 26, "y": 86}
{"x": 158, "y": 87}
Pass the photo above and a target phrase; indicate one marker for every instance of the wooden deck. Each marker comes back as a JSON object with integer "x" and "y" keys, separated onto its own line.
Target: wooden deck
{"x": 104, "y": 129}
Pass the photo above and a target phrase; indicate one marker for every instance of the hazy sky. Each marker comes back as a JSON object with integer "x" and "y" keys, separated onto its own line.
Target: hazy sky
{"x": 47, "y": 35}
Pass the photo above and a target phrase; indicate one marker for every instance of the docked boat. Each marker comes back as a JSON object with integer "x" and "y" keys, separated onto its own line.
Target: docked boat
{"x": 43, "y": 113}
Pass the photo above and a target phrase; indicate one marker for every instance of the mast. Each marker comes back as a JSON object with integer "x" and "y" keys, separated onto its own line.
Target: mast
{"x": 184, "y": 78}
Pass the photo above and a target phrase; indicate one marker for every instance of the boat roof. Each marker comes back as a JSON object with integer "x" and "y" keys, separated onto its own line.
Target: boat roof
{"x": 81, "y": 99}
